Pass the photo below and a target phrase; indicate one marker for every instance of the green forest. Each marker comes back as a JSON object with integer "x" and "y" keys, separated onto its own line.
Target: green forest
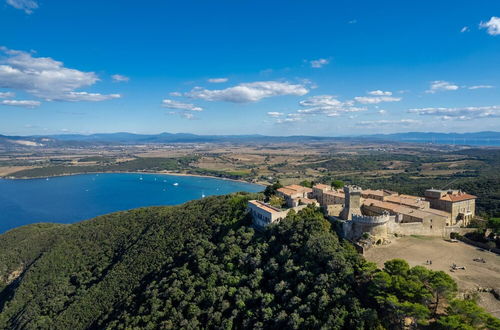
{"x": 201, "y": 265}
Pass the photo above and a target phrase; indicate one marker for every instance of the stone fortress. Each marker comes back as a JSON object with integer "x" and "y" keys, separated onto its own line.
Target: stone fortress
{"x": 377, "y": 214}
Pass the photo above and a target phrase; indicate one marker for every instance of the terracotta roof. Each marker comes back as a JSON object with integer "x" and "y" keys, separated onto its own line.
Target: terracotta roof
{"x": 287, "y": 191}
{"x": 378, "y": 192}
{"x": 298, "y": 188}
{"x": 458, "y": 197}
{"x": 401, "y": 209}
{"x": 264, "y": 206}
{"x": 420, "y": 203}
{"x": 335, "y": 193}
{"x": 410, "y": 196}
{"x": 322, "y": 186}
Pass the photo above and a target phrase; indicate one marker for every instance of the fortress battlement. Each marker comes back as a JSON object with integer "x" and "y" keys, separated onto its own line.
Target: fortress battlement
{"x": 375, "y": 220}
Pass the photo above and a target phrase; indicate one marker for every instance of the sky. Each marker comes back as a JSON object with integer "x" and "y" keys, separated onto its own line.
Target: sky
{"x": 324, "y": 68}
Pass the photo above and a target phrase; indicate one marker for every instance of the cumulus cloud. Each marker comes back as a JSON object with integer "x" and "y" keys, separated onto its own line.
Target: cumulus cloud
{"x": 328, "y": 105}
{"x": 492, "y": 26}
{"x": 275, "y": 114}
{"x": 85, "y": 96}
{"x": 4, "y": 95}
{"x": 26, "y": 5}
{"x": 217, "y": 80}
{"x": 480, "y": 86}
{"x": 319, "y": 63}
{"x": 171, "y": 104}
{"x": 46, "y": 78}
{"x": 378, "y": 92}
{"x": 441, "y": 85}
{"x": 21, "y": 103}
{"x": 460, "y": 113}
{"x": 377, "y": 96}
{"x": 378, "y": 123}
{"x": 248, "y": 92}
{"x": 376, "y": 99}
{"x": 120, "y": 78}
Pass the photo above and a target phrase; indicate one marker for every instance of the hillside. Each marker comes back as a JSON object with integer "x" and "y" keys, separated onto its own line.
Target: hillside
{"x": 201, "y": 265}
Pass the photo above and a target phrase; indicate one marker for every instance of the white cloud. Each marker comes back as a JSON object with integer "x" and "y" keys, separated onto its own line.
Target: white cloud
{"x": 27, "y": 5}
{"x": 492, "y": 26}
{"x": 171, "y": 104}
{"x": 378, "y": 123}
{"x": 175, "y": 94}
{"x": 21, "y": 103}
{"x": 328, "y": 105}
{"x": 481, "y": 86}
{"x": 464, "y": 29}
{"x": 275, "y": 114}
{"x": 461, "y": 113}
{"x": 120, "y": 78}
{"x": 248, "y": 92}
{"x": 378, "y": 92}
{"x": 85, "y": 96}
{"x": 187, "y": 115}
{"x": 319, "y": 63}
{"x": 46, "y": 78}
{"x": 353, "y": 21}
{"x": 440, "y": 85}
{"x": 290, "y": 118}
{"x": 217, "y": 80}
{"x": 4, "y": 95}
{"x": 382, "y": 112}
{"x": 376, "y": 99}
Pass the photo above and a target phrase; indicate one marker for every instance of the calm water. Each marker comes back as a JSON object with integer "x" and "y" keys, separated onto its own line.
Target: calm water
{"x": 70, "y": 199}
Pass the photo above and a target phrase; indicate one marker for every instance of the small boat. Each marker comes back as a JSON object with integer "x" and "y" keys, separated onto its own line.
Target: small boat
{"x": 176, "y": 184}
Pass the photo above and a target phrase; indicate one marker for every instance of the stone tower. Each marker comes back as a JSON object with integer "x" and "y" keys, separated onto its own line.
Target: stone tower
{"x": 352, "y": 202}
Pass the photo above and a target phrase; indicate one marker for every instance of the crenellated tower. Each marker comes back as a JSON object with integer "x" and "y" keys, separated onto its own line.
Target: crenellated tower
{"x": 352, "y": 202}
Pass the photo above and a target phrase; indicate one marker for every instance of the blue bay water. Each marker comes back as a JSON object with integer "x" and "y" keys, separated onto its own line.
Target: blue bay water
{"x": 69, "y": 199}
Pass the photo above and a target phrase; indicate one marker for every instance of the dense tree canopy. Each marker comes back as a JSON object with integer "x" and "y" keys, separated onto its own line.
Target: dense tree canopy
{"x": 201, "y": 265}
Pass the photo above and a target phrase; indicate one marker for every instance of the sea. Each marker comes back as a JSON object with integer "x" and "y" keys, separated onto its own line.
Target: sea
{"x": 69, "y": 199}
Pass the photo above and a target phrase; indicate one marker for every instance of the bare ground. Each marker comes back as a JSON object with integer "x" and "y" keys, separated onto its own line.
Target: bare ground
{"x": 416, "y": 250}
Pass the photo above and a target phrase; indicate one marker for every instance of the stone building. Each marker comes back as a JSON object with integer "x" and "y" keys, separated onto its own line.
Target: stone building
{"x": 379, "y": 213}
{"x": 462, "y": 206}
{"x": 264, "y": 214}
{"x": 295, "y": 195}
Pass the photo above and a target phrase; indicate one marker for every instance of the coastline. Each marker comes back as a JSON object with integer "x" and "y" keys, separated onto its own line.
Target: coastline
{"x": 134, "y": 172}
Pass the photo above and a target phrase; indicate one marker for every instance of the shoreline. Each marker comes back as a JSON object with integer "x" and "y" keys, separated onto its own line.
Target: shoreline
{"x": 133, "y": 172}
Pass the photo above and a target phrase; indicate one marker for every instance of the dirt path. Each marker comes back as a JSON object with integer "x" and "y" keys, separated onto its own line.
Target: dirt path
{"x": 416, "y": 250}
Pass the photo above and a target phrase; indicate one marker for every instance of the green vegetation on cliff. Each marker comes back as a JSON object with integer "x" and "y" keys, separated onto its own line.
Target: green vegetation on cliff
{"x": 200, "y": 265}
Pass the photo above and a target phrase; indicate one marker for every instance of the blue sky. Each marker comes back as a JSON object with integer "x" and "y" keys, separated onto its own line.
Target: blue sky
{"x": 243, "y": 67}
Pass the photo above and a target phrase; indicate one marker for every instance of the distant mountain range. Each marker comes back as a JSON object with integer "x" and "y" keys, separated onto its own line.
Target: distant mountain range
{"x": 478, "y": 138}
{"x": 486, "y": 138}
